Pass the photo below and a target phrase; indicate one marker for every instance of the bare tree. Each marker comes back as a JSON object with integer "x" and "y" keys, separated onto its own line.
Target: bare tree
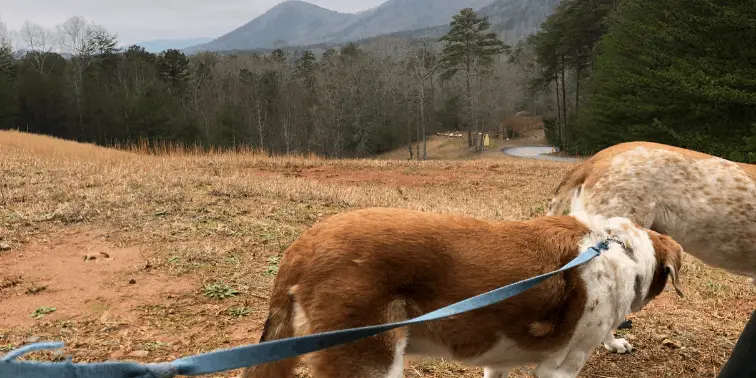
{"x": 40, "y": 41}
{"x": 5, "y": 36}
{"x": 6, "y": 49}
{"x": 424, "y": 64}
{"x": 85, "y": 41}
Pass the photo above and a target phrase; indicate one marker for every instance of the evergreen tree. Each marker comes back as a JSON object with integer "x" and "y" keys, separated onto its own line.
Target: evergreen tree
{"x": 8, "y": 94}
{"x": 565, "y": 46}
{"x": 678, "y": 72}
{"x": 469, "y": 48}
{"x": 174, "y": 69}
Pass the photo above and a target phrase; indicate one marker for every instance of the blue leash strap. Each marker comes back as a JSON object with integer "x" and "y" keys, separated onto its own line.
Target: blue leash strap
{"x": 269, "y": 351}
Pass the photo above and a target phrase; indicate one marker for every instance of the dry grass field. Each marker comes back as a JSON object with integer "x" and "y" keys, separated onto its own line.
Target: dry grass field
{"x": 126, "y": 255}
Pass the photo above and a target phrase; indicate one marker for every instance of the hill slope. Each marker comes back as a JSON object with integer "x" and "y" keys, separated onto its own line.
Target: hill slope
{"x": 291, "y": 22}
{"x": 160, "y": 45}
{"x": 400, "y": 15}
{"x": 194, "y": 241}
{"x": 512, "y": 19}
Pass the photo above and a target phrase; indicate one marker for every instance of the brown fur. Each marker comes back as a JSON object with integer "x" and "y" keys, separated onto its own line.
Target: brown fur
{"x": 375, "y": 266}
{"x": 670, "y": 253}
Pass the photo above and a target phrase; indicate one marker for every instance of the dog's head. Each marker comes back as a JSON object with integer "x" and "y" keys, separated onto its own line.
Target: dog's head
{"x": 660, "y": 253}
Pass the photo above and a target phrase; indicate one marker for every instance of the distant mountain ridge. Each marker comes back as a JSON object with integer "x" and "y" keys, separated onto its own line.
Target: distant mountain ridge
{"x": 160, "y": 45}
{"x": 401, "y": 15}
{"x": 298, "y": 23}
{"x": 275, "y": 27}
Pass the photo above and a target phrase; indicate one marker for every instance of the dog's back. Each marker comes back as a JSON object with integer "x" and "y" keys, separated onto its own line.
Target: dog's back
{"x": 377, "y": 266}
{"x": 706, "y": 203}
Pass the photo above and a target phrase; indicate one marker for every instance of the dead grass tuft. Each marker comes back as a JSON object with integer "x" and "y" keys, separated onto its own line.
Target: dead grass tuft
{"x": 214, "y": 224}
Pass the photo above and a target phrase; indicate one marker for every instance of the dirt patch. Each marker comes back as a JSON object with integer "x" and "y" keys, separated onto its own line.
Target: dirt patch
{"x": 54, "y": 273}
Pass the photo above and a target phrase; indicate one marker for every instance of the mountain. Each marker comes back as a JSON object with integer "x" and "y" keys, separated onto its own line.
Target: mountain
{"x": 160, "y": 45}
{"x": 514, "y": 20}
{"x": 401, "y": 15}
{"x": 289, "y": 23}
{"x": 297, "y": 23}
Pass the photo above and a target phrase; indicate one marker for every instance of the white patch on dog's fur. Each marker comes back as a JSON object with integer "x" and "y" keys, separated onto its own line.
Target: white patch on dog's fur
{"x": 495, "y": 373}
{"x": 610, "y": 284}
{"x": 616, "y": 345}
{"x": 397, "y": 366}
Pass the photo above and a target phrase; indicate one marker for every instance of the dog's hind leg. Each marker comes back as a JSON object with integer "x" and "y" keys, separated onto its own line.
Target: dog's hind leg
{"x": 378, "y": 357}
{"x": 568, "y": 368}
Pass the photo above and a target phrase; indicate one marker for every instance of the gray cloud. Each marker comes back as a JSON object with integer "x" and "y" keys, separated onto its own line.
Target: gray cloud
{"x": 141, "y": 20}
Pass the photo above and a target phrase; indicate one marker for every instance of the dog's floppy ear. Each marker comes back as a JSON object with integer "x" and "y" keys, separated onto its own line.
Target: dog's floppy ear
{"x": 669, "y": 253}
{"x": 675, "y": 278}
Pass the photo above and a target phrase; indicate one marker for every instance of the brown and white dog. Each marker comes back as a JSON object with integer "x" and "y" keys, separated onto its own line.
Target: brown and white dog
{"x": 707, "y": 204}
{"x": 375, "y": 266}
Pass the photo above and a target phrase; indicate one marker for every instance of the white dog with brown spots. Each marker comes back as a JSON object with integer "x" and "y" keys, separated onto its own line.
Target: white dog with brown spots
{"x": 376, "y": 266}
{"x": 707, "y": 204}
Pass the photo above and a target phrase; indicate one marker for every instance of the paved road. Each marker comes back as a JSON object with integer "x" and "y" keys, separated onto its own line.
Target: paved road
{"x": 536, "y": 153}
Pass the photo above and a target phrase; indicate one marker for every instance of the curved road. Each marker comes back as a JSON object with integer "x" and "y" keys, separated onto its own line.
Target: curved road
{"x": 536, "y": 153}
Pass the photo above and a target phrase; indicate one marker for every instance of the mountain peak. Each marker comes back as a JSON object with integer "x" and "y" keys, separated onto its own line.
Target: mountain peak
{"x": 299, "y": 23}
{"x": 297, "y": 4}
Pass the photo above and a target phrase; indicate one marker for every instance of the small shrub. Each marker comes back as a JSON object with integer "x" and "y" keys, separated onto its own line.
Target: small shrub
{"x": 220, "y": 291}
{"x": 239, "y": 311}
{"x": 273, "y": 262}
{"x": 42, "y": 311}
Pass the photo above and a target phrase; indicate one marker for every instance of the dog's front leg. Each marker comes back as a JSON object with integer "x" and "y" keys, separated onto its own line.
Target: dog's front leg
{"x": 616, "y": 345}
{"x": 495, "y": 373}
{"x": 568, "y": 368}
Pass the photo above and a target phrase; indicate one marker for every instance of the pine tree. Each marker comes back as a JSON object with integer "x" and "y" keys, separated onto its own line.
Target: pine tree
{"x": 469, "y": 48}
{"x": 8, "y": 95}
{"x": 174, "y": 69}
{"x": 678, "y": 72}
{"x": 565, "y": 46}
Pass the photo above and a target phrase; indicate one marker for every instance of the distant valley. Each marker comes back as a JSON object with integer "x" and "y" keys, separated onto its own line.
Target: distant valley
{"x": 159, "y": 45}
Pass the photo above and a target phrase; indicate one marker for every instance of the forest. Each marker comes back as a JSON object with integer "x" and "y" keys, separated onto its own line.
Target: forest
{"x": 599, "y": 72}
{"x": 352, "y": 102}
{"x": 678, "y": 72}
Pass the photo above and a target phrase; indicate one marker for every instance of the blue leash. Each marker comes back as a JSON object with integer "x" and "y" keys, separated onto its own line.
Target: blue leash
{"x": 256, "y": 354}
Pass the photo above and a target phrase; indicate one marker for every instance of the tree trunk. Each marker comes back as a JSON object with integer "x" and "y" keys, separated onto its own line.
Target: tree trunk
{"x": 577, "y": 89}
{"x": 558, "y": 124}
{"x": 470, "y": 104}
{"x": 422, "y": 117}
{"x": 409, "y": 137}
{"x": 564, "y": 106}
{"x": 260, "y": 125}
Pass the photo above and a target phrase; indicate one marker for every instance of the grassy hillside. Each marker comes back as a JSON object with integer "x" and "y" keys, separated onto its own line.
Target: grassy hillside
{"x": 181, "y": 249}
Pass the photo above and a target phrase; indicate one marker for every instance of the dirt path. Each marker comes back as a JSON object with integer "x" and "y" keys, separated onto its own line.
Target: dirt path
{"x": 533, "y": 152}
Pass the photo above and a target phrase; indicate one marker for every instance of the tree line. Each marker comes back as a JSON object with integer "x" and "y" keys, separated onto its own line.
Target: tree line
{"x": 678, "y": 72}
{"x": 74, "y": 82}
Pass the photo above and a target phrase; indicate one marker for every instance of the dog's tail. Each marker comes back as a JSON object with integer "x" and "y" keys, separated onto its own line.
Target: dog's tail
{"x": 278, "y": 325}
{"x": 569, "y": 189}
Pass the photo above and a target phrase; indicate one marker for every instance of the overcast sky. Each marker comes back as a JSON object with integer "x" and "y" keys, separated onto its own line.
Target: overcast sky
{"x": 142, "y": 20}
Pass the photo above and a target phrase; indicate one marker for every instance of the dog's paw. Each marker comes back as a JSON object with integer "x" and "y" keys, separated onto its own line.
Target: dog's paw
{"x": 620, "y": 346}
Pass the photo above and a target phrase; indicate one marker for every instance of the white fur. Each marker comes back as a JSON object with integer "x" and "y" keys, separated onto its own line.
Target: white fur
{"x": 615, "y": 291}
{"x": 610, "y": 298}
{"x": 705, "y": 204}
{"x": 491, "y": 373}
{"x": 397, "y": 367}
